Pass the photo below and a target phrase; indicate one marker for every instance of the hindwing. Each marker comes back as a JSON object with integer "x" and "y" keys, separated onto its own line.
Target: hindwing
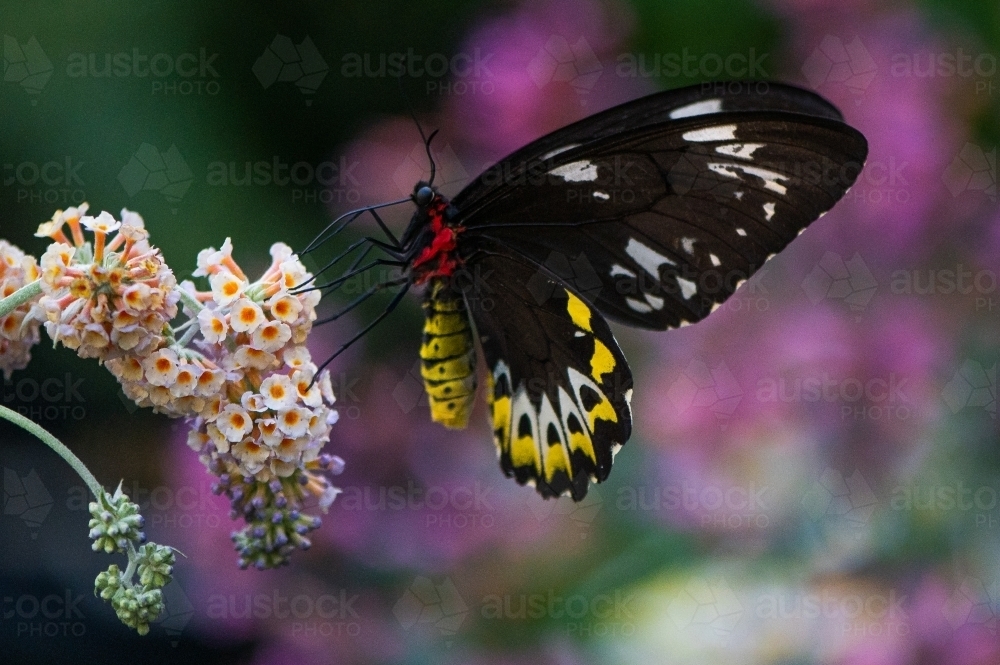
{"x": 558, "y": 385}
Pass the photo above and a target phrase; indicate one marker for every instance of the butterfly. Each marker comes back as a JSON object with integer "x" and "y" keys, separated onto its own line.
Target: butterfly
{"x": 649, "y": 214}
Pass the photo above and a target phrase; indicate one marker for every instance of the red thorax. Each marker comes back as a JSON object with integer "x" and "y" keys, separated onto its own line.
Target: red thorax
{"x": 437, "y": 259}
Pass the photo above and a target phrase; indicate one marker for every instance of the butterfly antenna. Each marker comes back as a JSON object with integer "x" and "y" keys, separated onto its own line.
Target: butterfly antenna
{"x": 424, "y": 137}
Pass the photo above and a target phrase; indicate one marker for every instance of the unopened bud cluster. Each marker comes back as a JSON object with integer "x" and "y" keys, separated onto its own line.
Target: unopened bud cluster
{"x": 115, "y": 527}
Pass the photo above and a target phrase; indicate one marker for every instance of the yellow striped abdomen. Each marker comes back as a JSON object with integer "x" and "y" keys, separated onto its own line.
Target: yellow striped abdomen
{"x": 448, "y": 357}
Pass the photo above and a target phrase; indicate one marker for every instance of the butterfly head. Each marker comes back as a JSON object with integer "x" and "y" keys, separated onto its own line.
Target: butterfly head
{"x": 423, "y": 194}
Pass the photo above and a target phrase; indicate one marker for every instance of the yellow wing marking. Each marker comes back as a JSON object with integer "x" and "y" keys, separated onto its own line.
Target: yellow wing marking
{"x": 602, "y": 362}
{"x": 555, "y": 452}
{"x": 578, "y": 311}
{"x": 602, "y": 409}
{"x": 499, "y": 413}
{"x": 524, "y": 433}
{"x": 573, "y": 425}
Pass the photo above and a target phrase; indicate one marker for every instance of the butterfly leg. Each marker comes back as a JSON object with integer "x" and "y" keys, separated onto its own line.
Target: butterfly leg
{"x": 350, "y": 215}
{"x": 385, "y": 229}
{"x": 333, "y": 284}
{"x": 378, "y": 319}
{"x": 363, "y": 297}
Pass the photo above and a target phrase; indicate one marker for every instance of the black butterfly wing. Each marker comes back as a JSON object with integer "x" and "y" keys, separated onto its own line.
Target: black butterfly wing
{"x": 695, "y": 100}
{"x": 659, "y": 224}
{"x": 558, "y": 385}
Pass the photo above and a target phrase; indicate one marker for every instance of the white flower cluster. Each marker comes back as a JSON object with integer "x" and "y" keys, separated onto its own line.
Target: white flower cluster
{"x": 110, "y": 300}
{"x": 237, "y": 368}
{"x": 18, "y": 329}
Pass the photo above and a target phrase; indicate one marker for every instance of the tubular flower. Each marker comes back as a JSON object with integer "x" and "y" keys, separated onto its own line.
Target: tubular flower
{"x": 278, "y": 425}
{"x": 237, "y": 368}
{"x": 19, "y": 328}
{"x": 108, "y": 300}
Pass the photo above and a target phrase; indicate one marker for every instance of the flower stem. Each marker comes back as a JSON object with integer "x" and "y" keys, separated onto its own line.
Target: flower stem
{"x": 187, "y": 299}
{"x": 22, "y": 295}
{"x": 49, "y": 440}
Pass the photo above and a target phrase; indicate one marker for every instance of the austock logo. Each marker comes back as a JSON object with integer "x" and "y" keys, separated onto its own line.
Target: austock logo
{"x": 182, "y": 74}
{"x": 327, "y": 182}
{"x": 874, "y": 398}
{"x": 283, "y": 61}
{"x": 305, "y": 614}
{"x": 835, "y": 279}
{"x": 749, "y": 65}
{"x": 51, "y": 615}
{"x": 972, "y": 386}
{"x": 707, "y": 608}
{"x": 50, "y": 399}
{"x": 163, "y": 506}
{"x": 702, "y": 387}
{"x": 839, "y": 500}
{"x": 868, "y": 613}
{"x": 972, "y": 170}
{"x": 973, "y": 603}
{"x": 580, "y": 614}
{"x": 948, "y": 498}
{"x": 979, "y": 286}
{"x": 431, "y": 605}
{"x": 459, "y": 74}
{"x": 560, "y": 61}
{"x": 724, "y": 507}
{"x": 26, "y": 497}
{"x": 26, "y": 65}
{"x": 454, "y": 506}
{"x": 836, "y": 62}
{"x": 151, "y": 170}
{"x": 54, "y": 182}
{"x": 177, "y": 612}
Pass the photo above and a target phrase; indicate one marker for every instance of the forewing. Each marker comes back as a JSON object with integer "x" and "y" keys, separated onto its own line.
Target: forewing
{"x": 696, "y": 100}
{"x": 558, "y": 385}
{"x": 656, "y": 226}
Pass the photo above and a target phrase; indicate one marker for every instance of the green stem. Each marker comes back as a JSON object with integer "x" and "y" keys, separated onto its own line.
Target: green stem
{"x": 188, "y": 300}
{"x": 24, "y": 294}
{"x": 188, "y": 335}
{"x": 133, "y": 563}
{"x": 51, "y": 441}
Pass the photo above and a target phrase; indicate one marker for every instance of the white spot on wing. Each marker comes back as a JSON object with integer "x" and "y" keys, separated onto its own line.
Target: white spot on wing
{"x": 740, "y": 232}
{"x": 620, "y": 270}
{"x": 688, "y": 288}
{"x": 688, "y": 245}
{"x": 768, "y": 211}
{"x": 601, "y": 195}
{"x": 553, "y": 153}
{"x": 770, "y": 178}
{"x": 581, "y": 171}
{"x": 656, "y": 302}
{"x": 718, "y": 133}
{"x": 701, "y": 107}
{"x": 715, "y": 260}
{"x": 739, "y": 196}
{"x": 647, "y": 257}
{"x": 739, "y": 150}
{"x": 638, "y": 306}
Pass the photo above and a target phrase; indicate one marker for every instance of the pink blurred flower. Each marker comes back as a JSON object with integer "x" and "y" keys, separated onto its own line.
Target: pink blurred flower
{"x": 909, "y": 120}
